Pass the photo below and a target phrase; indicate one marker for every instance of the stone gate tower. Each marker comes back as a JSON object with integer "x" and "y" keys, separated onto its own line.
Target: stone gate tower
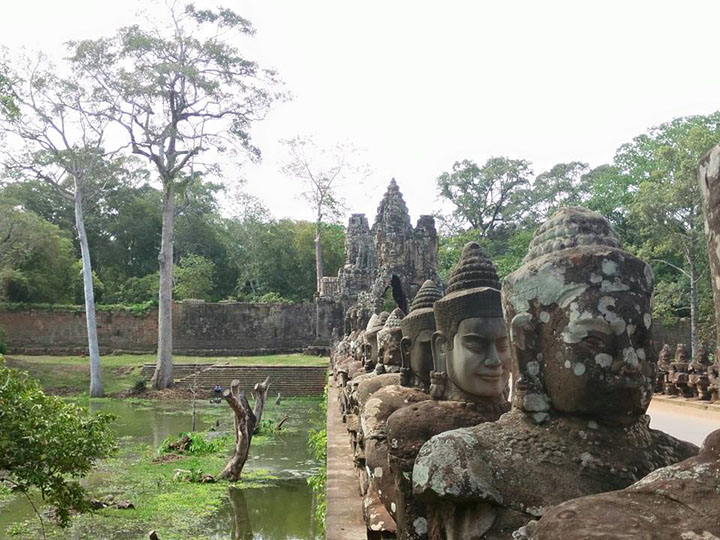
{"x": 389, "y": 255}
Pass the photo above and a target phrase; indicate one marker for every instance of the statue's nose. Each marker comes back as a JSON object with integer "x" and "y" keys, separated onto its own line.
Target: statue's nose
{"x": 492, "y": 359}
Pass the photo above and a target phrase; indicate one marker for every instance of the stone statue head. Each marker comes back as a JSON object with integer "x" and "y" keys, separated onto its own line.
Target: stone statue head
{"x": 470, "y": 344}
{"x": 680, "y": 353}
{"x": 580, "y": 318}
{"x": 417, "y": 331}
{"x": 358, "y": 345}
{"x": 389, "y": 342}
{"x": 375, "y": 324}
{"x": 664, "y": 357}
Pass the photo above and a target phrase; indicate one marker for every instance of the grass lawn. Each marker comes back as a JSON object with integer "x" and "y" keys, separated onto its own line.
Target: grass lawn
{"x": 71, "y": 374}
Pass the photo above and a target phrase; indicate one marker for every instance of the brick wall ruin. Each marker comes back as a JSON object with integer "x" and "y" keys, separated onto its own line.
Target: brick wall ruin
{"x": 199, "y": 329}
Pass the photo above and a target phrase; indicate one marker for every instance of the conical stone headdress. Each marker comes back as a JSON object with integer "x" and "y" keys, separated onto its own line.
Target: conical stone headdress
{"x": 473, "y": 291}
{"x": 392, "y": 326}
{"x": 372, "y": 322}
{"x": 422, "y": 316}
{"x": 376, "y": 324}
{"x": 569, "y": 227}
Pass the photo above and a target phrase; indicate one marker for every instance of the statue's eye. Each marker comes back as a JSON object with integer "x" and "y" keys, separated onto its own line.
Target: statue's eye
{"x": 594, "y": 342}
{"x": 476, "y": 345}
{"x": 502, "y": 345}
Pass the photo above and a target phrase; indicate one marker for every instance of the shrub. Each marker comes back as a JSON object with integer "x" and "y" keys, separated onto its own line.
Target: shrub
{"x": 3, "y": 341}
{"x": 48, "y": 444}
{"x": 193, "y": 444}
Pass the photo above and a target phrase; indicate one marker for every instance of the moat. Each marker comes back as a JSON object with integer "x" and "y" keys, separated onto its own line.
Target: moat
{"x": 273, "y": 502}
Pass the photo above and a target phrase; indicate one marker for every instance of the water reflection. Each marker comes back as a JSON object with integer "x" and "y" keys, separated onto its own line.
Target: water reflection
{"x": 279, "y": 512}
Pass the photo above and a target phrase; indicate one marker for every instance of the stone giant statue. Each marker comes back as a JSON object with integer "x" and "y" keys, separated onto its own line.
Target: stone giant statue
{"x": 583, "y": 369}
{"x": 409, "y": 388}
{"x": 471, "y": 368}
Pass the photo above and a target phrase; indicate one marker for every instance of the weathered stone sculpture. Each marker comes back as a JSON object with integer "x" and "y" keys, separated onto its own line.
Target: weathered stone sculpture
{"x": 371, "y": 332}
{"x": 678, "y": 375}
{"x": 698, "y": 380}
{"x": 389, "y": 351}
{"x": 389, "y": 354}
{"x": 349, "y": 397}
{"x": 416, "y": 330}
{"x": 663, "y": 369}
{"x": 471, "y": 370}
{"x": 580, "y": 319}
{"x": 416, "y": 345}
{"x": 678, "y": 502}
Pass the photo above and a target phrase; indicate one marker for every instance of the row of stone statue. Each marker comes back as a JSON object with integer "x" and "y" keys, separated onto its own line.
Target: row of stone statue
{"x": 441, "y": 454}
{"x": 698, "y": 379}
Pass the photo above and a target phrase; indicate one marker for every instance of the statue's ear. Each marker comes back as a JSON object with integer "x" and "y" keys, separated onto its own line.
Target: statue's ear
{"x": 522, "y": 337}
{"x": 405, "y": 352}
{"x": 520, "y": 328}
{"x": 438, "y": 344}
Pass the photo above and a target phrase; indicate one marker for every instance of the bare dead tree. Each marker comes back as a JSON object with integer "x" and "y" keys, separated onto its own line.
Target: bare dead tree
{"x": 246, "y": 420}
{"x": 323, "y": 172}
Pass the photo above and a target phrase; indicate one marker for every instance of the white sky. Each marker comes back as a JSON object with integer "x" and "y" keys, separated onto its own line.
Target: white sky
{"x": 420, "y": 84}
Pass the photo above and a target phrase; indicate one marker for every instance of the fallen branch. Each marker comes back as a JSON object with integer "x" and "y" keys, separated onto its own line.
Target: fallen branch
{"x": 281, "y": 422}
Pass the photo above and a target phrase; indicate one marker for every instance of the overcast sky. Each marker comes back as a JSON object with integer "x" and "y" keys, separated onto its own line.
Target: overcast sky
{"x": 419, "y": 85}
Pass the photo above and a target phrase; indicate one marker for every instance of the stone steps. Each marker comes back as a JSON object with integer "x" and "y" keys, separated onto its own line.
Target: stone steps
{"x": 288, "y": 380}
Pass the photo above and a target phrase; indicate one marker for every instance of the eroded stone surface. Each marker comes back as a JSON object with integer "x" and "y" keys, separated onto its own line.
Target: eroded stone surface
{"x": 411, "y": 427}
{"x": 676, "y": 502}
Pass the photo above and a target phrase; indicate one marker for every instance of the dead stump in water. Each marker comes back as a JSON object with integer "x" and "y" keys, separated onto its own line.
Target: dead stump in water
{"x": 246, "y": 419}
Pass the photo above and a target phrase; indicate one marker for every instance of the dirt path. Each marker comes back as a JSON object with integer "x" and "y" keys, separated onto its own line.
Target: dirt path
{"x": 344, "y": 519}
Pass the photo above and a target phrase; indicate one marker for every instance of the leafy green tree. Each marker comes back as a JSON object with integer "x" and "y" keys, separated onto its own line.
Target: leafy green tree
{"x": 179, "y": 87}
{"x": 194, "y": 277}
{"x": 565, "y": 184}
{"x": 488, "y": 197}
{"x": 48, "y": 444}
{"x": 245, "y": 243}
{"x": 666, "y": 205}
{"x": 136, "y": 290}
{"x": 36, "y": 258}
{"x": 8, "y": 107}
{"x": 55, "y": 138}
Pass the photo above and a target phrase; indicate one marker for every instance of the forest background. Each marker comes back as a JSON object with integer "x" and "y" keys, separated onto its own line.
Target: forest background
{"x": 242, "y": 253}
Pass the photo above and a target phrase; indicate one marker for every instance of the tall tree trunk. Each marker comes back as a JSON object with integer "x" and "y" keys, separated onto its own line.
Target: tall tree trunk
{"x": 162, "y": 378}
{"x": 318, "y": 257}
{"x": 96, "y": 388}
{"x": 693, "y": 302}
{"x": 709, "y": 180}
{"x": 319, "y": 273}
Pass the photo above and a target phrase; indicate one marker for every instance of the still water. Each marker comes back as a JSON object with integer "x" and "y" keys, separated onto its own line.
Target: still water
{"x": 282, "y": 510}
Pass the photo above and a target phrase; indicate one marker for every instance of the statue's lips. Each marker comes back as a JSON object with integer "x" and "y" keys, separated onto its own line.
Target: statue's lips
{"x": 489, "y": 375}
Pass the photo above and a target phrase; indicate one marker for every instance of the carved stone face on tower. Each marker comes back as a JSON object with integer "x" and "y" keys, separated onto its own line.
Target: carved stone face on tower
{"x": 580, "y": 321}
{"x": 417, "y": 329}
{"x": 471, "y": 344}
